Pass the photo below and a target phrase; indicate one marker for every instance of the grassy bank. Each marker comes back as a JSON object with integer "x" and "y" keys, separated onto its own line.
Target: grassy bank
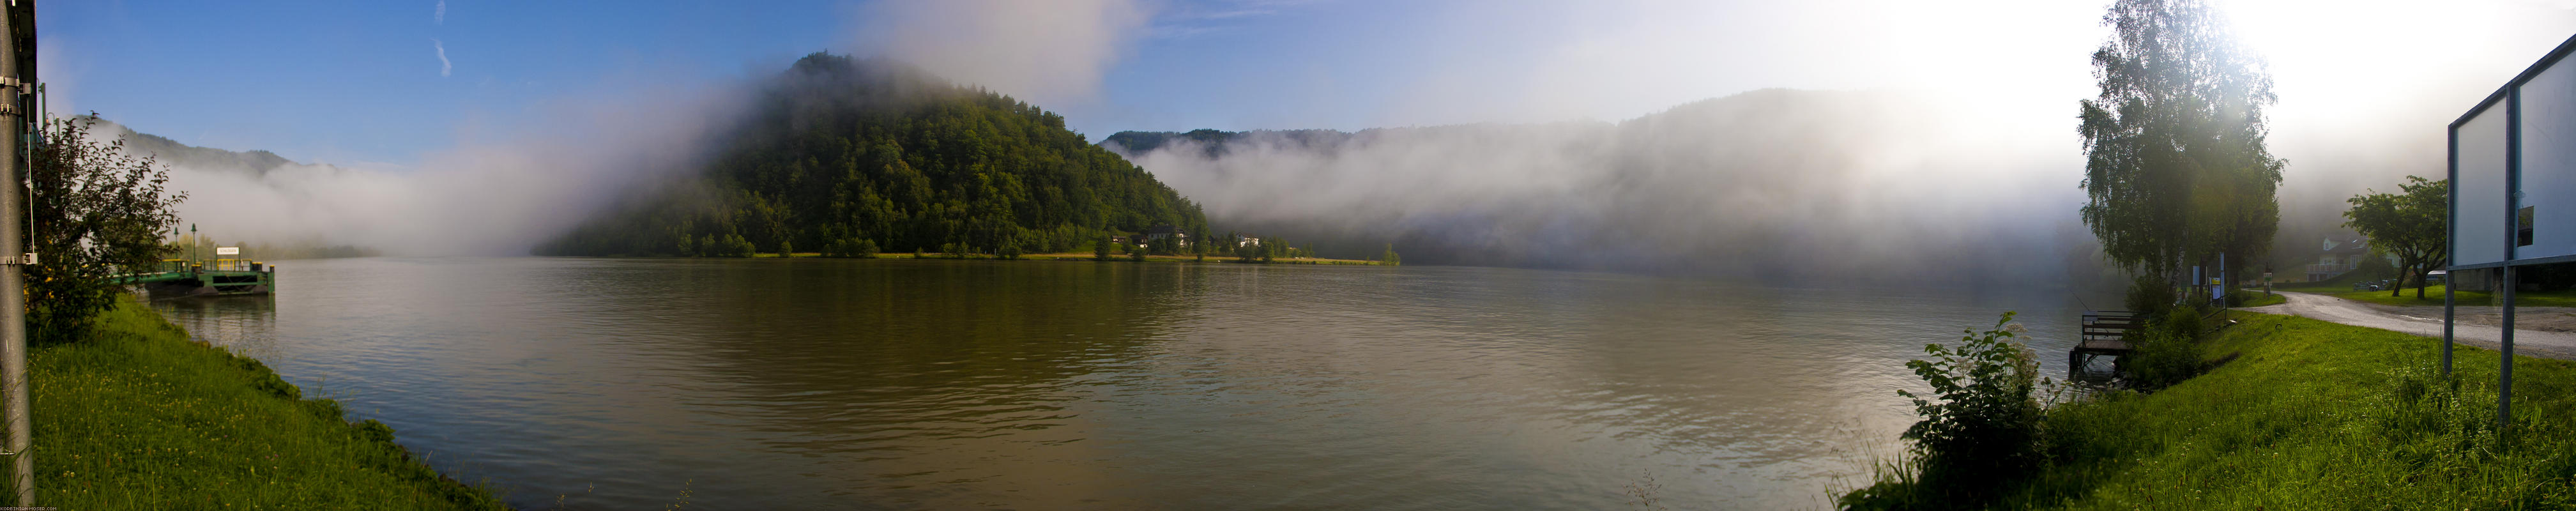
{"x": 143, "y": 418}
{"x": 2433, "y": 297}
{"x": 2304, "y": 414}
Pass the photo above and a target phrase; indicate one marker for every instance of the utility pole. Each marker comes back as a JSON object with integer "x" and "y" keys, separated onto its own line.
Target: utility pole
{"x": 17, "y": 80}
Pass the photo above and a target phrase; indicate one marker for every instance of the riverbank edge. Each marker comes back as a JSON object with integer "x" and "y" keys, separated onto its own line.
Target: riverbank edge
{"x": 140, "y": 416}
{"x": 2296, "y": 413}
{"x": 1079, "y": 256}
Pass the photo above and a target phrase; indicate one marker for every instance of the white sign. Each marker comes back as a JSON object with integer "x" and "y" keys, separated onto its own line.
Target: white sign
{"x": 227, "y": 250}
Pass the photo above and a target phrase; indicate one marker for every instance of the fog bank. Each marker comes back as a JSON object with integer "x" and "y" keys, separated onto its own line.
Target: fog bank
{"x": 498, "y": 192}
{"x": 1873, "y": 185}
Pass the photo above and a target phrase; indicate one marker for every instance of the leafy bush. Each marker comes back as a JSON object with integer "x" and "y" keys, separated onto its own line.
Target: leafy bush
{"x": 1984, "y": 427}
{"x": 2150, "y": 296}
{"x": 95, "y": 212}
{"x": 2167, "y": 351}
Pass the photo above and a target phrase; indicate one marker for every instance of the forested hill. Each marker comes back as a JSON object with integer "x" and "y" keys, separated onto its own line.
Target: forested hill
{"x": 839, "y": 150}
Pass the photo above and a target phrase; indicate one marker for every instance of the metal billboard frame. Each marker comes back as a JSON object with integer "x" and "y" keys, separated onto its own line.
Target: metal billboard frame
{"x": 2510, "y": 97}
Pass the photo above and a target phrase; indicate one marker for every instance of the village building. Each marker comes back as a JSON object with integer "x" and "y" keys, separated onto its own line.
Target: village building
{"x": 2338, "y": 256}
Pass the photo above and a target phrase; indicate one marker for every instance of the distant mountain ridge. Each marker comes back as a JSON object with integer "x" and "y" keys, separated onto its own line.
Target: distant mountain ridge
{"x": 165, "y": 150}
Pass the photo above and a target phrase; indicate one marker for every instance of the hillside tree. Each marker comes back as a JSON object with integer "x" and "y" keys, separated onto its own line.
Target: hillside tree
{"x": 2176, "y": 171}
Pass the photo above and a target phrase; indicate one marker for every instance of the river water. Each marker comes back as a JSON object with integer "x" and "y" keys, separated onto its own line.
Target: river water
{"x": 901, "y": 384}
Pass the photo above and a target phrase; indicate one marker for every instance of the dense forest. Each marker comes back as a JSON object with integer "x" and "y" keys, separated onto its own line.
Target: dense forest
{"x": 845, "y": 155}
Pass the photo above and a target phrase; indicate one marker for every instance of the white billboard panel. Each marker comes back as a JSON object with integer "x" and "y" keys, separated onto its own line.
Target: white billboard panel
{"x": 2478, "y": 207}
{"x": 2549, "y": 162}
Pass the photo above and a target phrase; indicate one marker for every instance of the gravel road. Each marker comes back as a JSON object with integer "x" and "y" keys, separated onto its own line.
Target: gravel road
{"x": 2478, "y": 327}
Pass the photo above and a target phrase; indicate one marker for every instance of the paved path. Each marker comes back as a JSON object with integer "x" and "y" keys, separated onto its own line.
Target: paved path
{"x": 2337, "y": 310}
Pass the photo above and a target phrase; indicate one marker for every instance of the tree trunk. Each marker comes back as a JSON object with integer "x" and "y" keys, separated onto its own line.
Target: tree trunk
{"x": 2398, "y": 285}
{"x": 2422, "y": 266}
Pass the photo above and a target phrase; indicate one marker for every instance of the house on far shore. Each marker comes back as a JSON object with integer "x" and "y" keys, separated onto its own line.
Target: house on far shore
{"x": 1163, "y": 232}
{"x": 1246, "y": 241}
{"x": 2336, "y": 257}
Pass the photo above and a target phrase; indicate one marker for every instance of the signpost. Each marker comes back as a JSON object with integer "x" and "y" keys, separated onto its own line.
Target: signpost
{"x": 2513, "y": 193}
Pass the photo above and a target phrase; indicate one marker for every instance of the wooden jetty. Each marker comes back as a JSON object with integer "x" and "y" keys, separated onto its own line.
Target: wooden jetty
{"x": 202, "y": 277}
{"x": 2103, "y": 333}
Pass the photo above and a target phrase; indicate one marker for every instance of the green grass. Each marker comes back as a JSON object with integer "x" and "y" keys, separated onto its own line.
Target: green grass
{"x": 140, "y": 417}
{"x": 2261, "y": 299}
{"x": 2433, "y": 297}
{"x": 2306, "y": 414}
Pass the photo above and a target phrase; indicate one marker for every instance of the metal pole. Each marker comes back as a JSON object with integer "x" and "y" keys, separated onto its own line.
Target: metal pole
{"x": 16, "y": 27}
{"x": 2504, "y": 368}
{"x": 2450, "y": 308}
{"x": 2512, "y": 245}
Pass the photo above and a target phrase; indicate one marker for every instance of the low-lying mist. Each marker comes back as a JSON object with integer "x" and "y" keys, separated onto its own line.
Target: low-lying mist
{"x": 496, "y": 194}
{"x": 1784, "y": 184}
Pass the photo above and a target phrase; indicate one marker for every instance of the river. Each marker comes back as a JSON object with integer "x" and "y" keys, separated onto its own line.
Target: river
{"x": 902, "y": 384}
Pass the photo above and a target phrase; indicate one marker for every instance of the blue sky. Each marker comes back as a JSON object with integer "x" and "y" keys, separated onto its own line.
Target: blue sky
{"x": 363, "y": 83}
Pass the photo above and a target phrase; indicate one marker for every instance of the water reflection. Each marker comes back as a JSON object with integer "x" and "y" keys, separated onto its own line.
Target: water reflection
{"x": 243, "y": 323}
{"x": 909, "y": 384}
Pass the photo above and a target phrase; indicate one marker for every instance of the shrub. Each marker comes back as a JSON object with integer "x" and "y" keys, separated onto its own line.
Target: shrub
{"x": 1984, "y": 427}
{"x": 2167, "y": 351}
{"x": 95, "y": 211}
{"x": 2149, "y": 295}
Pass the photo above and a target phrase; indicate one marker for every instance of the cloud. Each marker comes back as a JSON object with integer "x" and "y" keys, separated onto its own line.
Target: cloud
{"x": 444, "y": 67}
{"x": 439, "y": 17}
{"x": 1049, "y": 53}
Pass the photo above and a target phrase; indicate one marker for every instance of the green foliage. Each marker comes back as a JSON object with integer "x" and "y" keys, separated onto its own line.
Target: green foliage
{"x": 841, "y": 148}
{"x": 2167, "y": 352}
{"x": 2176, "y": 170}
{"x": 861, "y": 248}
{"x": 95, "y": 212}
{"x": 1100, "y": 250}
{"x": 1136, "y": 253}
{"x": 2150, "y": 296}
{"x": 1983, "y": 425}
{"x": 2413, "y": 226}
{"x": 1390, "y": 258}
{"x": 729, "y": 245}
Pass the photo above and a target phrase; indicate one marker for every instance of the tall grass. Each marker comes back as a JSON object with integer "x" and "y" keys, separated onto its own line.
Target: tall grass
{"x": 140, "y": 417}
{"x": 2314, "y": 415}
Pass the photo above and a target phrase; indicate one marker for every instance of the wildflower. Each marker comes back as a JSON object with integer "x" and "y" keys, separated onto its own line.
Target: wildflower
{"x": 2016, "y": 329}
